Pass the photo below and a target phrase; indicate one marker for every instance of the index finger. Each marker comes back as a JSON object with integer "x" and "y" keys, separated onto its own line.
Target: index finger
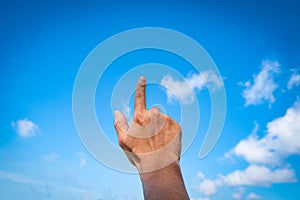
{"x": 140, "y": 97}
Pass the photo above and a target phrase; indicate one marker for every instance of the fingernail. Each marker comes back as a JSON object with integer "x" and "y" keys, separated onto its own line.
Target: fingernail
{"x": 117, "y": 114}
{"x": 142, "y": 79}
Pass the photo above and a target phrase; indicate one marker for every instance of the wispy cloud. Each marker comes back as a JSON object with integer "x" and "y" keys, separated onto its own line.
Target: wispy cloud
{"x": 25, "y": 128}
{"x": 183, "y": 90}
{"x": 200, "y": 175}
{"x": 253, "y": 196}
{"x": 263, "y": 85}
{"x": 239, "y": 194}
{"x": 20, "y": 178}
{"x": 294, "y": 80}
{"x": 82, "y": 159}
{"x": 50, "y": 158}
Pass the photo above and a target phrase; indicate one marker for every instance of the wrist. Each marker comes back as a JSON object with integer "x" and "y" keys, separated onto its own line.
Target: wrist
{"x": 172, "y": 168}
{"x": 166, "y": 182}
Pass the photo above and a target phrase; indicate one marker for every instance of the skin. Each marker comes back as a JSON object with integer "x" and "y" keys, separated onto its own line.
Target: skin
{"x": 157, "y": 136}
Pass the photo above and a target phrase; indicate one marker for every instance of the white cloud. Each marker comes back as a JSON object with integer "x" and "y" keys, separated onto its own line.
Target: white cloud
{"x": 255, "y": 150}
{"x": 82, "y": 159}
{"x": 285, "y": 131}
{"x": 208, "y": 187}
{"x": 50, "y": 158}
{"x": 178, "y": 89}
{"x": 253, "y": 196}
{"x": 281, "y": 140}
{"x": 184, "y": 90}
{"x": 209, "y": 78}
{"x": 25, "y": 128}
{"x": 255, "y": 175}
{"x": 294, "y": 80}
{"x": 266, "y": 156}
{"x": 263, "y": 85}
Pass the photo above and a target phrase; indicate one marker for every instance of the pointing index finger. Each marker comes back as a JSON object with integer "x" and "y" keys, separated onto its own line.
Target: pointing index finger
{"x": 140, "y": 97}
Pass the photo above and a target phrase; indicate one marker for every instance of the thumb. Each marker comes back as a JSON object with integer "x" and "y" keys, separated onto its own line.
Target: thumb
{"x": 120, "y": 123}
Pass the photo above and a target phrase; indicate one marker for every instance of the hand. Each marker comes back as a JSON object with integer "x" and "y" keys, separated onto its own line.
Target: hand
{"x": 153, "y": 140}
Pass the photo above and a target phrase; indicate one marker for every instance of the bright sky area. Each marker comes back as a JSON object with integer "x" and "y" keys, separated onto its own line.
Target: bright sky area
{"x": 255, "y": 45}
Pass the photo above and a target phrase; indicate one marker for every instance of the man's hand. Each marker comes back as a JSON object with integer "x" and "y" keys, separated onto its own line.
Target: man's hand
{"x": 153, "y": 140}
{"x": 152, "y": 143}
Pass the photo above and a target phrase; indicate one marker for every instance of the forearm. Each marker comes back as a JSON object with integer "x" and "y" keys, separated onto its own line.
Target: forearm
{"x": 163, "y": 184}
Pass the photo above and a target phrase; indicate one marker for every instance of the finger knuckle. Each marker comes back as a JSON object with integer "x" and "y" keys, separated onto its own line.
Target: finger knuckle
{"x": 140, "y": 118}
{"x": 155, "y": 112}
{"x": 139, "y": 95}
{"x": 115, "y": 124}
{"x": 122, "y": 141}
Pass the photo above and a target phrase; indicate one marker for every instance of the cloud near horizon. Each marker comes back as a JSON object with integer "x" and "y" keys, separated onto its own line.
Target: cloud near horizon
{"x": 266, "y": 156}
{"x": 19, "y": 178}
{"x": 253, "y": 175}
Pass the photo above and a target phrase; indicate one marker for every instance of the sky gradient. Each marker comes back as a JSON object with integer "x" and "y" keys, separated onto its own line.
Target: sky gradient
{"x": 254, "y": 44}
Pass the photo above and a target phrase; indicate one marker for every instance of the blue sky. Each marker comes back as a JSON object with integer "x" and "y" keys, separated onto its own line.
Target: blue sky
{"x": 255, "y": 45}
